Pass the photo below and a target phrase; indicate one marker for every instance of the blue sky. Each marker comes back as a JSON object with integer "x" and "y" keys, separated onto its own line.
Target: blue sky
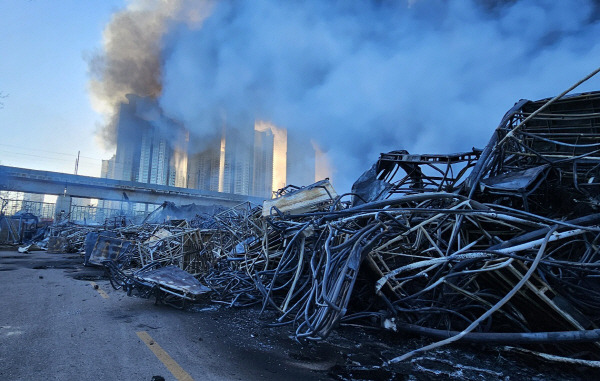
{"x": 358, "y": 78}
{"x": 47, "y": 116}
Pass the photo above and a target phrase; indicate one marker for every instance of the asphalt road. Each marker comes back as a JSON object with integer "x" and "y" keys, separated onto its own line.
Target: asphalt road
{"x": 55, "y": 325}
{"x": 62, "y": 321}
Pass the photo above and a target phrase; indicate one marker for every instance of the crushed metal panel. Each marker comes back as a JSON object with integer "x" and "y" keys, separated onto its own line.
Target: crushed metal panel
{"x": 516, "y": 181}
{"x": 57, "y": 245}
{"x": 303, "y": 200}
{"x": 368, "y": 188}
{"x": 88, "y": 246}
{"x": 173, "y": 280}
{"x": 108, "y": 248}
{"x": 156, "y": 237}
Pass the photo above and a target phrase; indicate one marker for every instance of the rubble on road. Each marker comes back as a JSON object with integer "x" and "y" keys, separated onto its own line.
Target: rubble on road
{"x": 499, "y": 242}
{"x": 67, "y": 237}
{"x": 495, "y": 246}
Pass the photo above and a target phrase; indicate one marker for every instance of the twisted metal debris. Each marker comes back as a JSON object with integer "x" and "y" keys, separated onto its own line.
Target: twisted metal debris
{"x": 502, "y": 242}
{"x": 499, "y": 245}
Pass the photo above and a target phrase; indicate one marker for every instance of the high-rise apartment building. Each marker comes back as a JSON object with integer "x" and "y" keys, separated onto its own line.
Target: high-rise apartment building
{"x": 155, "y": 154}
{"x": 262, "y": 170}
{"x": 249, "y": 160}
{"x": 150, "y": 148}
{"x": 108, "y": 168}
{"x": 129, "y": 130}
{"x": 236, "y": 168}
{"x": 204, "y": 168}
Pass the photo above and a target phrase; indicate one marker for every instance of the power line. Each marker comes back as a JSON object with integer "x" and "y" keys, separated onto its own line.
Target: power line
{"x": 41, "y": 157}
{"x": 53, "y": 152}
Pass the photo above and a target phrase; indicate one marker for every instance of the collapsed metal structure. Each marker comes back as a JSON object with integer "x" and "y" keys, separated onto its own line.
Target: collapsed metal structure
{"x": 499, "y": 245}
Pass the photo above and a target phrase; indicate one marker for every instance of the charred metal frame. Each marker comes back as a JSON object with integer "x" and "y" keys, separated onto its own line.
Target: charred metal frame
{"x": 424, "y": 173}
{"x": 502, "y": 243}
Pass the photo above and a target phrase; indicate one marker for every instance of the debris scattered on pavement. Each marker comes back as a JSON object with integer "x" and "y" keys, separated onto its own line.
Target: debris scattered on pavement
{"x": 495, "y": 246}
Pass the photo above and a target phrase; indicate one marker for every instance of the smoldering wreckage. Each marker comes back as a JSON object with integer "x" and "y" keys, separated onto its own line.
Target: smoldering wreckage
{"x": 495, "y": 246}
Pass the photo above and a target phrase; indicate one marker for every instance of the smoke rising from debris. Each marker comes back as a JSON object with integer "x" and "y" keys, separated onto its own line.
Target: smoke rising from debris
{"x": 358, "y": 78}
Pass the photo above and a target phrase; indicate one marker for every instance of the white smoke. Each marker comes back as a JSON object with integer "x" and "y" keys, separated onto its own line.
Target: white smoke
{"x": 364, "y": 77}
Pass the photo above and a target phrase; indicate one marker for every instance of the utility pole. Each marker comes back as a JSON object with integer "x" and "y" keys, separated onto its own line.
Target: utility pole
{"x": 77, "y": 162}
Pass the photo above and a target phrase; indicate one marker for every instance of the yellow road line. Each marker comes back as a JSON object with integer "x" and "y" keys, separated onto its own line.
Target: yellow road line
{"x": 163, "y": 356}
{"x": 100, "y": 291}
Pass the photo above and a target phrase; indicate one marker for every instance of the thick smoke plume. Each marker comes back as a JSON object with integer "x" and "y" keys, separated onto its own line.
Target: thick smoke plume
{"x": 131, "y": 62}
{"x": 360, "y": 77}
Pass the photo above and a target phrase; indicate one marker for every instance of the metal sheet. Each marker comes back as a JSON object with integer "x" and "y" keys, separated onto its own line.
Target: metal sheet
{"x": 108, "y": 248}
{"x": 174, "y": 279}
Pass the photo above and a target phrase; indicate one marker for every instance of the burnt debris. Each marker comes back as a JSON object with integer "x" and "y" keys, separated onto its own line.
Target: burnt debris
{"x": 496, "y": 246}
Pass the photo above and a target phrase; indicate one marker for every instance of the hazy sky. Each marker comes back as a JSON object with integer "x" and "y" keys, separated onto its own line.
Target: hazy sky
{"x": 47, "y": 116}
{"x": 359, "y": 77}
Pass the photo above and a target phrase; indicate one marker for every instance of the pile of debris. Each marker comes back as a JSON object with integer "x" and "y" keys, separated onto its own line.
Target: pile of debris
{"x": 17, "y": 228}
{"x": 499, "y": 245}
